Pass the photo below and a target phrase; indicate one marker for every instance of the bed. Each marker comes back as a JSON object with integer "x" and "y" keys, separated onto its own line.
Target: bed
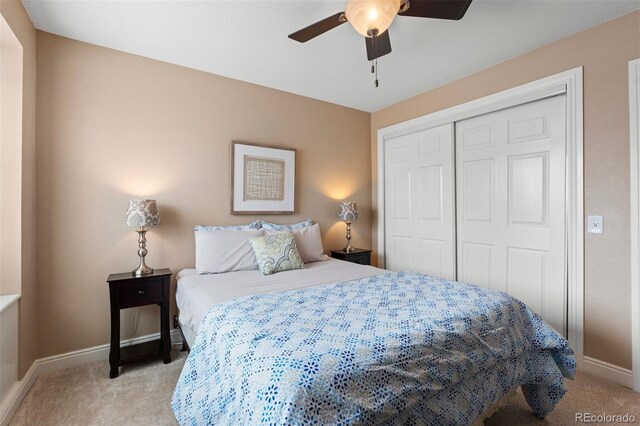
{"x": 340, "y": 343}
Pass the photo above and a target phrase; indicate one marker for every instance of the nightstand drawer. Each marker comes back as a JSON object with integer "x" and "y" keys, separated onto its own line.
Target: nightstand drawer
{"x": 139, "y": 293}
{"x": 361, "y": 258}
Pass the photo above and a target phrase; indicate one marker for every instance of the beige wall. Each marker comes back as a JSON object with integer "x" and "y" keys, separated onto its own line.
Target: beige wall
{"x": 604, "y": 52}
{"x": 14, "y": 14}
{"x": 113, "y": 126}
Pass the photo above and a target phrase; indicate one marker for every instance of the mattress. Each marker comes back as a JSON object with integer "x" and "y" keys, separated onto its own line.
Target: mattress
{"x": 196, "y": 293}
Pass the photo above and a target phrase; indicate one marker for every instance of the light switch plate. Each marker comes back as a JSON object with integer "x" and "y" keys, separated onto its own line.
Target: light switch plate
{"x": 595, "y": 224}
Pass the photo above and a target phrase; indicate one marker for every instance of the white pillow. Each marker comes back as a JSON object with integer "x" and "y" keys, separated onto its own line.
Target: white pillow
{"x": 225, "y": 251}
{"x": 308, "y": 241}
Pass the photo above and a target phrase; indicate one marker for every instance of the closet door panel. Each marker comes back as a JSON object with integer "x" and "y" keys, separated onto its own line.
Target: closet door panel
{"x": 419, "y": 202}
{"x": 510, "y": 170}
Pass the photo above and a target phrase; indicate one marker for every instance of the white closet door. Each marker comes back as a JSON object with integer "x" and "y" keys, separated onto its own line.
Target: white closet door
{"x": 510, "y": 168}
{"x": 419, "y": 203}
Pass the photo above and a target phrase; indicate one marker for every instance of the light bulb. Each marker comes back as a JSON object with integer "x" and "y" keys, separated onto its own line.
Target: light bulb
{"x": 368, "y": 15}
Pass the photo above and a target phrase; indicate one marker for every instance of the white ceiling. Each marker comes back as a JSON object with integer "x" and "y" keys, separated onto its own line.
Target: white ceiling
{"x": 247, "y": 40}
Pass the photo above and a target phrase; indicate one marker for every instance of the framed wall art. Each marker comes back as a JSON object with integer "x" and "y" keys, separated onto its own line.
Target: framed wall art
{"x": 262, "y": 179}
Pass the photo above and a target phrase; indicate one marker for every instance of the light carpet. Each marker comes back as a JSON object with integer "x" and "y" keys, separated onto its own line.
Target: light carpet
{"x": 141, "y": 394}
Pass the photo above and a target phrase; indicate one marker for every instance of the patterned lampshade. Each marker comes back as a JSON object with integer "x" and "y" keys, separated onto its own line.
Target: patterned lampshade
{"x": 142, "y": 213}
{"x": 348, "y": 211}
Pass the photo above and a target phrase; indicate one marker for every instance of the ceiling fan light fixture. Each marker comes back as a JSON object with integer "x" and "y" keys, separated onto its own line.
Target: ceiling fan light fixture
{"x": 371, "y": 17}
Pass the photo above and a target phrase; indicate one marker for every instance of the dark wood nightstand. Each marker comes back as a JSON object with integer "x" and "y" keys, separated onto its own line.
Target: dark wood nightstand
{"x": 128, "y": 291}
{"x": 360, "y": 256}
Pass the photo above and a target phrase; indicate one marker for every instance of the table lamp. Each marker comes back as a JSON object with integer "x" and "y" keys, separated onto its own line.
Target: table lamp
{"x": 140, "y": 215}
{"x": 348, "y": 213}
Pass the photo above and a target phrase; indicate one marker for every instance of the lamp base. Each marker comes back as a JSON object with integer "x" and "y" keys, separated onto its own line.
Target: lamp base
{"x": 142, "y": 268}
{"x": 138, "y": 272}
{"x": 349, "y": 248}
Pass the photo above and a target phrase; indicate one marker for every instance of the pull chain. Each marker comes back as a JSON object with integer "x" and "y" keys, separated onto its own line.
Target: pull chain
{"x": 374, "y": 62}
{"x": 376, "y": 67}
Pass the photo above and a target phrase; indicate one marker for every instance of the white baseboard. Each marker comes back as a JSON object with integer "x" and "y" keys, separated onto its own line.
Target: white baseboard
{"x": 604, "y": 370}
{"x": 64, "y": 361}
{"x": 17, "y": 394}
{"x": 94, "y": 354}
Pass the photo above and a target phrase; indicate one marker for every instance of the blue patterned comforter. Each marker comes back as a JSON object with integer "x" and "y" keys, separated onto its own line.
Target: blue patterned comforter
{"x": 398, "y": 348}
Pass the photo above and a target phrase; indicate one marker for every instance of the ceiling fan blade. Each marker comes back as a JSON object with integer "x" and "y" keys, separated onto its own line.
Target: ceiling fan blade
{"x": 438, "y": 9}
{"x": 378, "y": 46}
{"x": 320, "y": 27}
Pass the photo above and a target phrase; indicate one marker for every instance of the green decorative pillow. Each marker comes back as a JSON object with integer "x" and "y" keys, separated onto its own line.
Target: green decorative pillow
{"x": 276, "y": 253}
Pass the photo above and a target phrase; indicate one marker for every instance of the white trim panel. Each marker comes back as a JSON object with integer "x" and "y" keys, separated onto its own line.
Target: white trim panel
{"x": 7, "y": 300}
{"x": 634, "y": 130}
{"x": 9, "y": 337}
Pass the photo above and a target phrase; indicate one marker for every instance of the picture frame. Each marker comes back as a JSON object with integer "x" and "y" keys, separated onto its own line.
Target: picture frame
{"x": 262, "y": 179}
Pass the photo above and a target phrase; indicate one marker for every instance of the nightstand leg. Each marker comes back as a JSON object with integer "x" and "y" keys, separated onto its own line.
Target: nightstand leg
{"x": 114, "y": 353}
{"x": 164, "y": 325}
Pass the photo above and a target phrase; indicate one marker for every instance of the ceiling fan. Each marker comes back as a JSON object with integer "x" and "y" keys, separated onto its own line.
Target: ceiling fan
{"x": 372, "y": 18}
